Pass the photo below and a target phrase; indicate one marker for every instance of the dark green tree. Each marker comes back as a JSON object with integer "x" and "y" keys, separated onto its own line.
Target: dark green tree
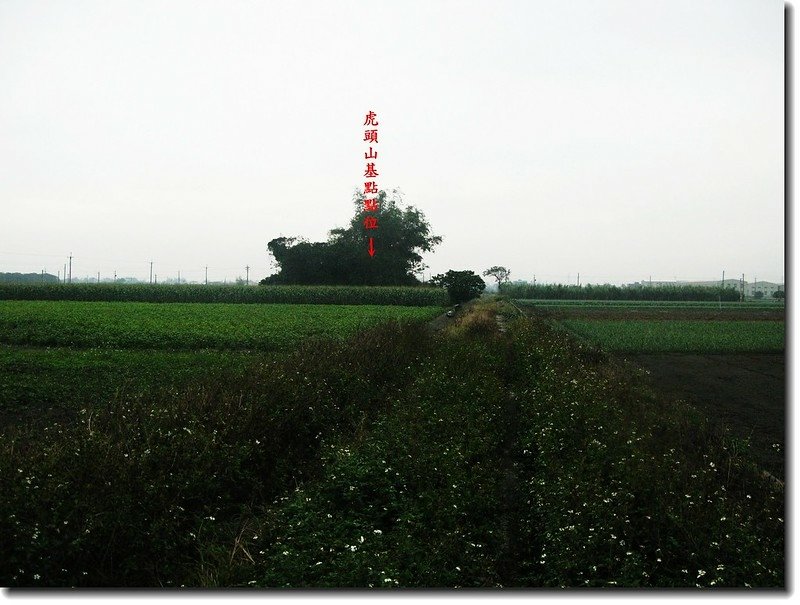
{"x": 460, "y": 285}
{"x": 778, "y": 294}
{"x": 401, "y": 236}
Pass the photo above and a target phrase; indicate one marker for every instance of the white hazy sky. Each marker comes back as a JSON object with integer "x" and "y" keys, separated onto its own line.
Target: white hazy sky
{"x": 616, "y": 138}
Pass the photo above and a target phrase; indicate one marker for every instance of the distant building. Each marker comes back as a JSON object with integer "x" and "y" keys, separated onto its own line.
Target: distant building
{"x": 768, "y": 288}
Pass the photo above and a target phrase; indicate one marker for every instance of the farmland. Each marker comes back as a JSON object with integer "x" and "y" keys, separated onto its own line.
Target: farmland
{"x": 58, "y": 355}
{"x": 635, "y": 310}
{"x": 194, "y": 293}
{"x": 379, "y": 455}
{"x": 688, "y": 336}
{"x": 39, "y": 384}
{"x": 727, "y": 358}
{"x": 187, "y": 325}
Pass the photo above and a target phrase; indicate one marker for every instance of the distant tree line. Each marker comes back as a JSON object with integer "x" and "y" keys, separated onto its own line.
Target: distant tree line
{"x": 610, "y": 292}
{"x": 28, "y": 278}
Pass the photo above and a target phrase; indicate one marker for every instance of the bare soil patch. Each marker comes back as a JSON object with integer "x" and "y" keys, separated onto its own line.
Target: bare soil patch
{"x": 744, "y": 392}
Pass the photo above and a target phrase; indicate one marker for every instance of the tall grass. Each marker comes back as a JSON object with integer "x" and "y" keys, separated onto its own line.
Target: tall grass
{"x": 609, "y": 292}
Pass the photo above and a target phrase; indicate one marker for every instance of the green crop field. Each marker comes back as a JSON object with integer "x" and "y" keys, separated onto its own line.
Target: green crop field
{"x": 186, "y": 325}
{"x": 321, "y": 295}
{"x": 656, "y": 336}
{"x": 37, "y": 383}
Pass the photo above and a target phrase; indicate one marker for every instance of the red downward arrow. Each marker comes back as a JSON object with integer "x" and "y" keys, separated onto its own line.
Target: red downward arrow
{"x": 371, "y": 247}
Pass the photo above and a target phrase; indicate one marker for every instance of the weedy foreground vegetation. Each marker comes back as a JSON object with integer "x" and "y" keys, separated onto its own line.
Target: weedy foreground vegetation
{"x": 396, "y": 458}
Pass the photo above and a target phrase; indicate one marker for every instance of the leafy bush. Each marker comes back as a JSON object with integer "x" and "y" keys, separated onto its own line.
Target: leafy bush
{"x": 461, "y": 286}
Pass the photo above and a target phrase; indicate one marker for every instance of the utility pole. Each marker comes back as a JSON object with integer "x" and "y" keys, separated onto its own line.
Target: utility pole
{"x": 151, "y": 272}
{"x": 742, "y": 286}
{"x": 723, "y": 279}
{"x": 534, "y": 280}
{"x": 70, "y": 267}
{"x": 579, "y": 280}
{"x": 98, "y": 277}
{"x": 247, "y": 268}
{"x": 179, "y": 277}
{"x": 206, "y": 274}
{"x": 115, "y": 277}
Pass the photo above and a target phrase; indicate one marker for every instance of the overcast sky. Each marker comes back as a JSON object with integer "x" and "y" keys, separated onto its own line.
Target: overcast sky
{"x": 614, "y": 138}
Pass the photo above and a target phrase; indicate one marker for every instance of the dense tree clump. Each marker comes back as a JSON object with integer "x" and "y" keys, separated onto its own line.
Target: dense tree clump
{"x": 401, "y": 235}
{"x": 461, "y": 285}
